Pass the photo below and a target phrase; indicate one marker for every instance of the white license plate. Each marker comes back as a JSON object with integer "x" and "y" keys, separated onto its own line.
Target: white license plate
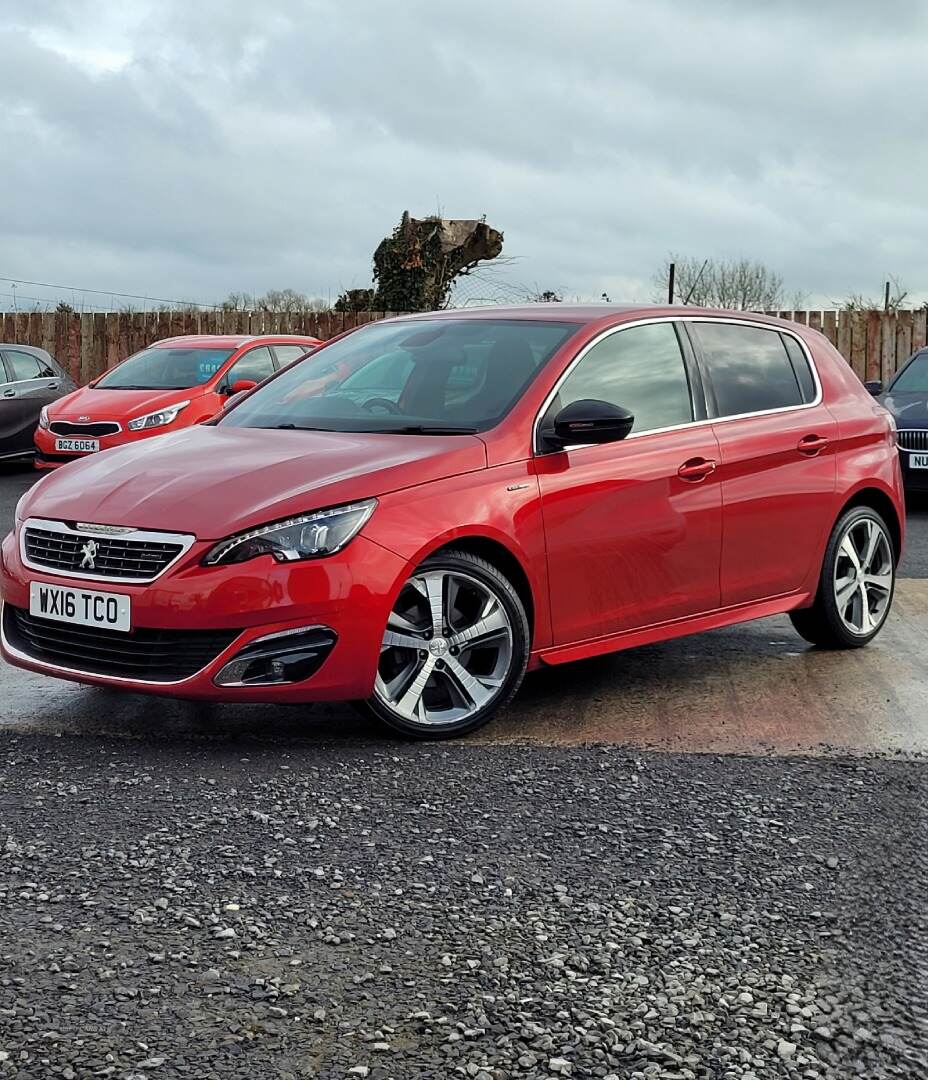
{"x": 918, "y": 461}
{"x": 78, "y": 446}
{"x": 80, "y": 606}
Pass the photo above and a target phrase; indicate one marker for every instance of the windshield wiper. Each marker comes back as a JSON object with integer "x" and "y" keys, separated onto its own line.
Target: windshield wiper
{"x": 425, "y": 429}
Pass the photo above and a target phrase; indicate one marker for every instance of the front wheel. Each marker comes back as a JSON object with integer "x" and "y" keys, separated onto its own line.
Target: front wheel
{"x": 454, "y": 650}
{"x": 856, "y": 587}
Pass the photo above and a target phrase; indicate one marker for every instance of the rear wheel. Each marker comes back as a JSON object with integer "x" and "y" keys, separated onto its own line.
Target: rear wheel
{"x": 856, "y": 587}
{"x": 454, "y": 650}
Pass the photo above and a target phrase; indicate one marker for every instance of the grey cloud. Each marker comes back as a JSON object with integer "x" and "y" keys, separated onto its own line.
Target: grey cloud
{"x": 253, "y": 147}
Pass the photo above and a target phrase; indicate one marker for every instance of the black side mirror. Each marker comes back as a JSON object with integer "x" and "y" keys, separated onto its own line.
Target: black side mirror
{"x": 874, "y": 387}
{"x": 590, "y": 421}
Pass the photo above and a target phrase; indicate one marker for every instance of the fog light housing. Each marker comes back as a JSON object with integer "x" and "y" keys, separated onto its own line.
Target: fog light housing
{"x": 291, "y": 656}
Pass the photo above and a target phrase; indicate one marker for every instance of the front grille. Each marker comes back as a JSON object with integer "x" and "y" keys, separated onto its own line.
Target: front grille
{"x": 147, "y": 655}
{"x": 913, "y": 439}
{"x": 84, "y": 431}
{"x": 113, "y": 557}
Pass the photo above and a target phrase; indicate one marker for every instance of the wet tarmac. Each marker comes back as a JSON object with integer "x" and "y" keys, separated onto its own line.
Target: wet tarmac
{"x": 755, "y": 689}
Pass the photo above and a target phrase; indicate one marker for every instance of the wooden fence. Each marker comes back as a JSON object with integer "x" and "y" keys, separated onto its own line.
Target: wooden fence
{"x": 875, "y": 343}
{"x": 88, "y": 344}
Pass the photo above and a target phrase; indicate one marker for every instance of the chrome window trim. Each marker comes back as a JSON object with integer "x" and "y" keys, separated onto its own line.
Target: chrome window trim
{"x": 37, "y": 379}
{"x": 186, "y": 540}
{"x": 122, "y": 680}
{"x": 537, "y": 450}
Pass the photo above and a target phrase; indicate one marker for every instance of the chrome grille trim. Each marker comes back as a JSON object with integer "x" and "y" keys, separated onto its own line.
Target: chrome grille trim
{"x": 913, "y": 440}
{"x": 134, "y": 558}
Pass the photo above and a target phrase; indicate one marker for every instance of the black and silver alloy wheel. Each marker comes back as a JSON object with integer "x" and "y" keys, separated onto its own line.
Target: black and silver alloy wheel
{"x": 856, "y": 587}
{"x": 454, "y": 649}
{"x": 863, "y": 575}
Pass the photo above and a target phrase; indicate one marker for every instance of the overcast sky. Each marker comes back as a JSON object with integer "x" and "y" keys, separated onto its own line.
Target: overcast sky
{"x": 185, "y": 149}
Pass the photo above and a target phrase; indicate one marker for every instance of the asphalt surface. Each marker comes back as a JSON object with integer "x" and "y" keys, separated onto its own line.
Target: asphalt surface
{"x": 196, "y": 891}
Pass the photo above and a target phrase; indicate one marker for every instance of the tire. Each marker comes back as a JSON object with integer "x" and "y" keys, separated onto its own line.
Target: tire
{"x": 838, "y": 619}
{"x": 473, "y": 666}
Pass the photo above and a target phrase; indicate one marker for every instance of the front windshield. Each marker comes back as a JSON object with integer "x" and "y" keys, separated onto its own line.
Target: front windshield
{"x": 165, "y": 369}
{"x": 914, "y": 378}
{"x": 431, "y": 376}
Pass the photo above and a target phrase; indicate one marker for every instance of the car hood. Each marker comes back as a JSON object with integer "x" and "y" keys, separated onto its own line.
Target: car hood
{"x": 117, "y": 404}
{"x": 215, "y": 481}
{"x": 909, "y": 410}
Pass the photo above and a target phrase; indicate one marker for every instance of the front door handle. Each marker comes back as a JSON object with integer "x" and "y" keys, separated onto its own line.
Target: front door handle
{"x": 52, "y": 386}
{"x": 696, "y": 469}
{"x": 9, "y": 393}
{"x": 811, "y": 445}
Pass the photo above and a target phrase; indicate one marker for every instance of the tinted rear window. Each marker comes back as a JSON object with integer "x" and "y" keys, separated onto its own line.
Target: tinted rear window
{"x": 748, "y": 367}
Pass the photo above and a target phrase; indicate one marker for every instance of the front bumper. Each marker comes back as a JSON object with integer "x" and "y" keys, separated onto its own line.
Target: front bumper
{"x": 913, "y": 479}
{"x": 48, "y": 457}
{"x": 349, "y": 594}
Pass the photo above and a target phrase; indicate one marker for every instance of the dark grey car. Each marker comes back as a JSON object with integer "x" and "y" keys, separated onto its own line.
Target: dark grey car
{"x": 29, "y": 379}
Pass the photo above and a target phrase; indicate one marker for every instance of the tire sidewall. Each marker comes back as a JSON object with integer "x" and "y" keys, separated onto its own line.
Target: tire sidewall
{"x": 489, "y": 576}
{"x": 826, "y": 587}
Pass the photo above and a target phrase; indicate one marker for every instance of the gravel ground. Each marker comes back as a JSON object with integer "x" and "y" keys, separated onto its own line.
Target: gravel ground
{"x": 251, "y": 910}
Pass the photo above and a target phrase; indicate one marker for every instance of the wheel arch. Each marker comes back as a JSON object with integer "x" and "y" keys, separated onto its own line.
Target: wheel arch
{"x": 877, "y": 499}
{"x": 503, "y": 558}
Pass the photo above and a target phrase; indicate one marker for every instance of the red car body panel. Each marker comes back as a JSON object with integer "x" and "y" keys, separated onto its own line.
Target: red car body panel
{"x": 121, "y": 406}
{"x": 610, "y": 545}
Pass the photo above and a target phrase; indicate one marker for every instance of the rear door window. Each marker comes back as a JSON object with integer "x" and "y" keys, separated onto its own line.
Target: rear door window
{"x": 286, "y": 354}
{"x": 255, "y": 365}
{"x": 24, "y": 366}
{"x": 749, "y": 368}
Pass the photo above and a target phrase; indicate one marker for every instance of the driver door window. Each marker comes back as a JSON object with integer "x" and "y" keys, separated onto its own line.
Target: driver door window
{"x": 642, "y": 369}
{"x": 255, "y": 365}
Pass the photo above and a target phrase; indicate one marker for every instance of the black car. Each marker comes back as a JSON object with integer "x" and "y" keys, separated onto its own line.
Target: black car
{"x": 906, "y": 398}
{"x": 29, "y": 379}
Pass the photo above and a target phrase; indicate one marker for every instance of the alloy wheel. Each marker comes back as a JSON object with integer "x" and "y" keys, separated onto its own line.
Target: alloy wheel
{"x": 447, "y": 649}
{"x": 863, "y": 576}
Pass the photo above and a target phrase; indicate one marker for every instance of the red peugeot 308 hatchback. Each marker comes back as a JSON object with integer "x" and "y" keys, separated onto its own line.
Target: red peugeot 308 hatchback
{"x": 425, "y": 507}
{"x": 174, "y": 383}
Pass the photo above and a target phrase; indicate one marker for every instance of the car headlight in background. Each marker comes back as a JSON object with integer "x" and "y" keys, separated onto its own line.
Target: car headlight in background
{"x": 309, "y": 536}
{"x": 43, "y": 418}
{"x": 157, "y": 419}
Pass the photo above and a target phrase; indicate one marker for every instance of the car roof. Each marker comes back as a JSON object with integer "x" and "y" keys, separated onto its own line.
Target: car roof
{"x": 592, "y": 313}
{"x": 34, "y": 349}
{"x": 229, "y": 341}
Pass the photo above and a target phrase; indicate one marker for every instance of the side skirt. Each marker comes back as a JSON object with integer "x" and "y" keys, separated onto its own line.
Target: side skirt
{"x": 692, "y": 624}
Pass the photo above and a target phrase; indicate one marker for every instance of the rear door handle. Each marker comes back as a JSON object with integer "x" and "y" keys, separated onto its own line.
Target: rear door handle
{"x": 696, "y": 469}
{"x": 9, "y": 393}
{"x": 811, "y": 445}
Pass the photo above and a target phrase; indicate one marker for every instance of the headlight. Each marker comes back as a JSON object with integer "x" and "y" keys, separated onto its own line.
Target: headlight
{"x": 157, "y": 419}
{"x": 43, "y": 418}
{"x": 309, "y": 536}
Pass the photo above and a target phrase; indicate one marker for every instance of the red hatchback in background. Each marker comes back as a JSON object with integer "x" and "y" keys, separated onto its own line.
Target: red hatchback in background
{"x": 426, "y": 507}
{"x": 172, "y": 384}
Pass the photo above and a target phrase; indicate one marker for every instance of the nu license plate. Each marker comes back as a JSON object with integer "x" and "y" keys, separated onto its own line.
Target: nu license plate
{"x": 918, "y": 461}
{"x": 78, "y": 446}
{"x": 111, "y": 611}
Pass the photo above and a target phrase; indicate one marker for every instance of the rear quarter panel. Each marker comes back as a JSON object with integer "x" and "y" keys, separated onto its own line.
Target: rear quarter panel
{"x": 867, "y": 456}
